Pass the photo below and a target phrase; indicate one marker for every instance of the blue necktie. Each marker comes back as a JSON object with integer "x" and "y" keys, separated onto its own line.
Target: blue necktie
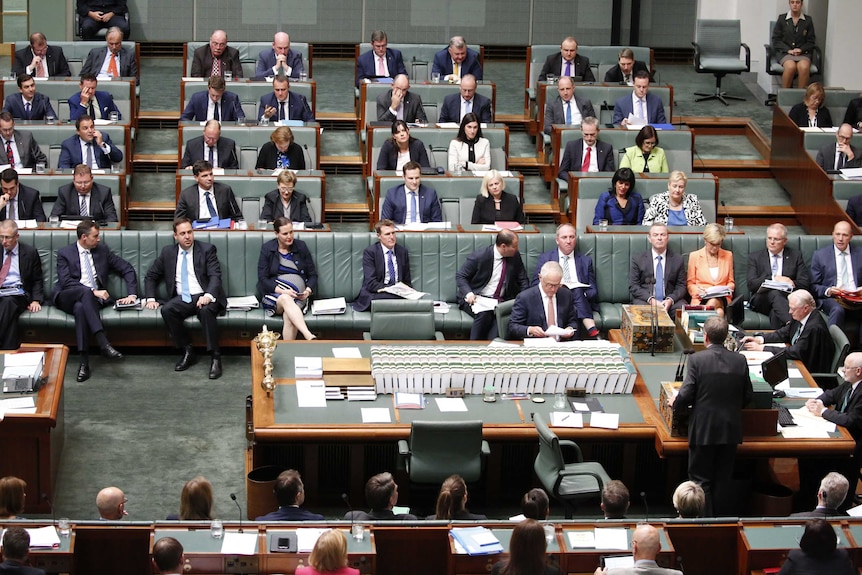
{"x": 774, "y": 265}
{"x": 391, "y": 267}
{"x": 88, "y": 270}
{"x": 210, "y": 206}
{"x": 568, "y": 69}
{"x": 27, "y": 110}
{"x": 184, "y": 278}
{"x": 659, "y": 280}
{"x": 414, "y": 209}
{"x": 568, "y": 112}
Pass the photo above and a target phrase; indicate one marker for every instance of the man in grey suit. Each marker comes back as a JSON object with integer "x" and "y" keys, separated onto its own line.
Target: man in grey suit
{"x": 567, "y": 108}
{"x": 112, "y": 59}
{"x": 832, "y": 157}
{"x": 400, "y": 104}
{"x": 646, "y": 545}
{"x": 780, "y": 263}
{"x": 20, "y": 147}
{"x": 601, "y": 154}
{"x": 220, "y": 152}
{"x": 670, "y": 291}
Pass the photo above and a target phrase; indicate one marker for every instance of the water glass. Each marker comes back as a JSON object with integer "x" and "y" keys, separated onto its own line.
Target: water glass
{"x": 114, "y": 117}
{"x": 54, "y": 221}
{"x": 728, "y": 224}
{"x": 64, "y": 527}
{"x": 50, "y": 120}
{"x": 603, "y": 225}
{"x": 303, "y": 76}
{"x": 261, "y": 224}
{"x": 242, "y": 225}
{"x": 228, "y": 76}
{"x": 559, "y": 401}
{"x": 264, "y": 121}
{"x": 552, "y": 79}
{"x": 358, "y": 532}
{"x": 435, "y": 77}
{"x": 40, "y": 167}
{"x": 216, "y": 529}
{"x": 549, "y": 532}
{"x": 489, "y": 394}
{"x": 115, "y": 168}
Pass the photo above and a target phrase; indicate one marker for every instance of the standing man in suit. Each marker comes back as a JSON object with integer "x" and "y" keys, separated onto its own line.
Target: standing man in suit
{"x": 716, "y": 387}
{"x": 220, "y": 152}
{"x": 283, "y": 104}
{"x": 567, "y": 63}
{"x": 379, "y": 62}
{"x": 98, "y": 14}
{"x": 544, "y": 305}
{"x": 214, "y": 104}
{"x": 111, "y": 60}
{"x": 576, "y": 158}
{"x": 646, "y": 545}
{"x": 780, "y": 263}
{"x": 19, "y": 202}
{"x": 400, "y": 103}
{"x": 89, "y": 147}
{"x": 581, "y": 272}
{"x": 495, "y": 272}
{"x": 21, "y": 268}
{"x": 21, "y": 148}
{"x": 216, "y": 58}
{"x": 567, "y": 108}
{"x": 82, "y": 279}
{"x": 41, "y": 60}
{"x": 411, "y": 202}
{"x": 659, "y": 269}
{"x": 16, "y": 550}
{"x": 191, "y": 274}
{"x": 833, "y": 157}
{"x": 383, "y": 264}
{"x": 837, "y": 267}
{"x": 28, "y": 104}
{"x": 626, "y": 68}
{"x": 207, "y": 199}
{"x": 456, "y": 61}
{"x": 280, "y": 59}
{"x": 830, "y": 496}
{"x": 645, "y": 107}
{"x": 96, "y": 104}
{"x": 455, "y": 106}
{"x": 84, "y": 198}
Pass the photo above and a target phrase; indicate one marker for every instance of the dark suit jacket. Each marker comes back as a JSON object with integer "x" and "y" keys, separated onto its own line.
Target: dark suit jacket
{"x": 485, "y": 212}
{"x": 852, "y": 416}
{"x": 477, "y": 270}
{"x": 366, "y": 64}
{"x": 128, "y": 68}
{"x": 297, "y": 106}
{"x": 10, "y": 567}
{"x": 717, "y": 387}
{"x": 584, "y": 269}
{"x": 39, "y": 107}
{"x": 387, "y": 159}
{"x": 104, "y": 260}
{"x": 554, "y": 65}
{"x": 374, "y": 273}
{"x": 529, "y": 310}
{"x": 29, "y": 205}
{"x": 101, "y": 203}
{"x": 798, "y": 563}
{"x": 450, "y": 111}
{"x": 30, "y": 267}
{"x": 823, "y": 272}
{"x": 792, "y": 263}
{"x": 202, "y": 62}
{"x": 616, "y": 75}
{"x": 196, "y": 110}
{"x": 225, "y": 203}
{"x": 268, "y": 156}
{"x": 225, "y": 147}
{"x": 290, "y": 514}
{"x": 381, "y": 515}
{"x": 443, "y": 64}
{"x": 71, "y": 156}
{"x": 555, "y": 114}
{"x": 269, "y": 262}
{"x": 395, "y": 205}
{"x": 799, "y": 114}
{"x": 821, "y": 512}
{"x": 273, "y": 208}
{"x": 853, "y": 115}
{"x": 826, "y": 156}
{"x": 412, "y": 104}
{"x": 103, "y": 110}
{"x": 573, "y": 158}
{"x": 54, "y": 61}
{"x": 654, "y": 109}
{"x": 854, "y": 209}
{"x": 642, "y": 271}
{"x": 814, "y": 348}
{"x": 28, "y": 149}
{"x": 207, "y": 271}
{"x": 266, "y": 60}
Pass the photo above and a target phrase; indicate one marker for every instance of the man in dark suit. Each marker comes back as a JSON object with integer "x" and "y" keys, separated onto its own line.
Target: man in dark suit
{"x": 626, "y": 68}
{"x": 381, "y": 61}
{"x": 198, "y": 202}
{"x": 400, "y": 103}
{"x": 467, "y": 100}
{"x": 200, "y": 293}
{"x": 854, "y": 209}
{"x": 602, "y": 155}
{"x": 283, "y": 104}
{"x": 716, "y": 388}
{"x": 111, "y": 60}
{"x": 82, "y": 279}
{"x": 383, "y": 264}
{"x": 381, "y": 494}
{"x": 830, "y": 496}
{"x": 280, "y": 59}
{"x": 19, "y": 202}
{"x": 806, "y": 337}
{"x": 41, "y": 60}
{"x": 567, "y": 108}
{"x": 16, "y": 550}
{"x": 640, "y": 103}
{"x": 98, "y": 14}
{"x": 214, "y": 104}
{"x": 456, "y": 61}
{"x": 218, "y": 151}
{"x": 90, "y": 102}
{"x": 832, "y": 157}
{"x": 225, "y": 58}
{"x": 290, "y": 494}
{"x": 496, "y": 272}
{"x": 834, "y": 269}
{"x": 89, "y": 147}
{"x": 84, "y": 198}
{"x": 23, "y": 271}
{"x": 20, "y": 146}
{"x": 28, "y": 104}
{"x": 411, "y": 202}
{"x": 567, "y": 63}
{"x": 544, "y": 305}
{"x": 582, "y": 272}
{"x": 670, "y": 292}
{"x": 780, "y": 263}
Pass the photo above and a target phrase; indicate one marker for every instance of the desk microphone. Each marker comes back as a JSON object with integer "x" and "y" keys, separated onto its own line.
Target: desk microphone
{"x": 646, "y": 507}
{"x": 726, "y": 212}
{"x": 680, "y": 369}
{"x": 346, "y": 500}
{"x": 47, "y": 500}
{"x": 238, "y": 508}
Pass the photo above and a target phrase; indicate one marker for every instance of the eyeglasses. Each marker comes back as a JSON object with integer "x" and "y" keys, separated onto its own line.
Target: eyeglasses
{"x": 844, "y": 369}
{"x": 4, "y": 238}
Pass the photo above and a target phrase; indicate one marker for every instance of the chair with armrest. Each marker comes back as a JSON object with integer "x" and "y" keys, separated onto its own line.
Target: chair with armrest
{"x": 402, "y": 319}
{"x": 717, "y": 52}
{"x": 502, "y": 313}
{"x": 438, "y": 449}
{"x": 774, "y": 67}
{"x": 842, "y": 348}
{"x": 568, "y": 482}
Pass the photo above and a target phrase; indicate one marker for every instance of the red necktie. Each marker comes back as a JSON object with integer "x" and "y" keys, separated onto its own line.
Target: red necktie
{"x": 586, "y": 165}
{"x": 501, "y": 284}
{"x": 10, "y": 156}
{"x": 7, "y": 263}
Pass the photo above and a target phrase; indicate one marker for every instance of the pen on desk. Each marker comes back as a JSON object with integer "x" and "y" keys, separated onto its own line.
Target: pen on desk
{"x": 565, "y": 417}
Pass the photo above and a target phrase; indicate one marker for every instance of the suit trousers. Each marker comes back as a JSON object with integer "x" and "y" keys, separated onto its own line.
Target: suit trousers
{"x": 712, "y": 467}
{"x": 774, "y": 304}
{"x": 80, "y": 302}
{"x": 175, "y": 311}
{"x": 484, "y": 324}
{"x": 838, "y": 315}
{"x": 10, "y": 308}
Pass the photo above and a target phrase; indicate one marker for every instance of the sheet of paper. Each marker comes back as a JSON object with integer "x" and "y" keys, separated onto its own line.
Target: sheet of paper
{"x": 346, "y": 352}
{"x": 400, "y": 510}
{"x": 483, "y": 303}
{"x": 520, "y": 517}
{"x": 44, "y": 537}
{"x": 376, "y": 415}
{"x": 306, "y": 538}
{"x": 485, "y": 538}
{"x": 19, "y": 404}
{"x": 855, "y": 511}
{"x": 566, "y": 419}
{"x": 581, "y": 406}
{"x": 23, "y": 359}
{"x": 239, "y": 543}
{"x": 27, "y": 224}
{"x": 555, "y": 330}
{"x": 612, "y": 539}
{"x": 794, "y": 373}
{"x": 802, "y": 432}
{"x": 450, "y": 404}
{"x": 310, "y": 393}
{"x": 605, "y": 420}
{"x": 805, "y": 418}
{"x": 581, "y": 539}
{"x": 621, "y": 562}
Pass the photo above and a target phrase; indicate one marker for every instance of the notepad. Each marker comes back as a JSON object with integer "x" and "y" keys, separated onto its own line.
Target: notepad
{"x": 376, "y": 415}
{"x": 611, "y": 539}
{"x": 605, "y": 420}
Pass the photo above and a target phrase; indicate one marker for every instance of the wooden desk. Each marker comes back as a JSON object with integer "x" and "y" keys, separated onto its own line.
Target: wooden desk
{"x": 361, "y": 555}
{"x": 31, "y": 444}
{"x": 203, "y": 553}
{"x": 766, "y": 545}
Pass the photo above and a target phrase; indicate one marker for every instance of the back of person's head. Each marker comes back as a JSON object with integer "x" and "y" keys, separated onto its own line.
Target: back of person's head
{"x": 535, "y": 504}
{"x": 453, "y": 493}
{"x": 16, "y": 544}
{"x": 833, "y": 489}
{"x": 689, "y": 499}
{"x": 715, "y": 329}
{"x": 505, "y": 238}
{"x": 615, "y": 499}
{"x": 288, "y": 487}
{"x": 11, "y": 496}
{"x": 379, "y": 490}
{"x": 196, "y": 500}
{"x": 646, "y": 543}
{"x": 330, "y": 551}
{"x": 527, "y": 549}
{"x": 168, "y": 555}
{"x": 819, "y": 539}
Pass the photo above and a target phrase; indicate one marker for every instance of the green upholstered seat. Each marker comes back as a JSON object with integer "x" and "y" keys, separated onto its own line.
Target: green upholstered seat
{"x": 402, "y": 319}
{"x": 438, "y": 449}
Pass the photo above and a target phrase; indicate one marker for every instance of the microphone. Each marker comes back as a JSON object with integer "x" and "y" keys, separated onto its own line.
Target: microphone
{"x": 726, "y": 212}
{"x": 238, "y": 508}
{"x": 680, "y": 370}
{"x": 646, "y": 507}
{"x": 310, "y": 209}
{"x": 346, "y": 500}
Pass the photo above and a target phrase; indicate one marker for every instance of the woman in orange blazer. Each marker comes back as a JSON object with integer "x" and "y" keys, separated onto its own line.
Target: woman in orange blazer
{"x": 710, "y": 266}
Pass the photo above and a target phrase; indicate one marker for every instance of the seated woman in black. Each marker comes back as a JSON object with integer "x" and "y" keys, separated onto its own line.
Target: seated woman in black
{"x": 621, "y": 205}
{"x": 281, "y": 152}
{"x": 495, "y": 205}
{"x": 452, "y": 501}
{"x": 401, "y": 148}
{"x": 810, "y": 112}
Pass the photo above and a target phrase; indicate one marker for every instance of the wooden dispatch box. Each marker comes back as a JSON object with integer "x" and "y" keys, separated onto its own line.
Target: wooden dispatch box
{"x": 755, "y": 422}
{"x": 637, "y": 329}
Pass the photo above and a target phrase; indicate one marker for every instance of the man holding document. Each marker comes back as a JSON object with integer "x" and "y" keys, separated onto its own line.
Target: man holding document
{"x": 383, "y": 264}
{"x": 646, "y": 544}
{"x": 773, "y": 270}
{"x": 545, "y": 310}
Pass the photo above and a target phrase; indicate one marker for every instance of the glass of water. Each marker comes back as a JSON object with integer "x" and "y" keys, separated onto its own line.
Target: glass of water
{"x": 50, "y": 119}
{"x": 435, "y": 77}
{"x": 303, "y": 76}
{"x": 40, "y": 167}
{"x": 228, "y": 76}
{"x": 216, "y": 529}
{"x": 114, "y": 117}
{"x": 64, "y": 527}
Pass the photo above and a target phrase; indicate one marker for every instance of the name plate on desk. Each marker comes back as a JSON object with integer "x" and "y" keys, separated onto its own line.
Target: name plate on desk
{"x": 637, "y": 328}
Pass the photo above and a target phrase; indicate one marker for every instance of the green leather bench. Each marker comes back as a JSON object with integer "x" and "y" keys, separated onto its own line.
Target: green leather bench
{"x": 50, "y": 139}
{"x": 418, "y": 58}
{"x": 836, "y": 101}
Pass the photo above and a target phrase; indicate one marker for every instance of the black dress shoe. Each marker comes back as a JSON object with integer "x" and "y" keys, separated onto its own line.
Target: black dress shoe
{"x": 83, "y": 372}
{"x": 187, "y": 360}
{"x": 215, "y": 368}
{"x": 111, "y": 353}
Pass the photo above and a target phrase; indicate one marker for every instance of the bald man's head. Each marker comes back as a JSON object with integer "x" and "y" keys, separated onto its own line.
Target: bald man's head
{"x": 646, "y": 543}
{"x": 111, "y": 503}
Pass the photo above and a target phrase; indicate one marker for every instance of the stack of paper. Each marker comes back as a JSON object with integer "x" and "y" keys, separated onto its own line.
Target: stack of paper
{"x": 242, "y": 303}
{"x": 476, "y": 540}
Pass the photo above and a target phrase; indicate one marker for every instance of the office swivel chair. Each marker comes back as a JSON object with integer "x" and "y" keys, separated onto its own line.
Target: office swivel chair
{"x": 717, "y": 52}
{"x": 438, "y": 449}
